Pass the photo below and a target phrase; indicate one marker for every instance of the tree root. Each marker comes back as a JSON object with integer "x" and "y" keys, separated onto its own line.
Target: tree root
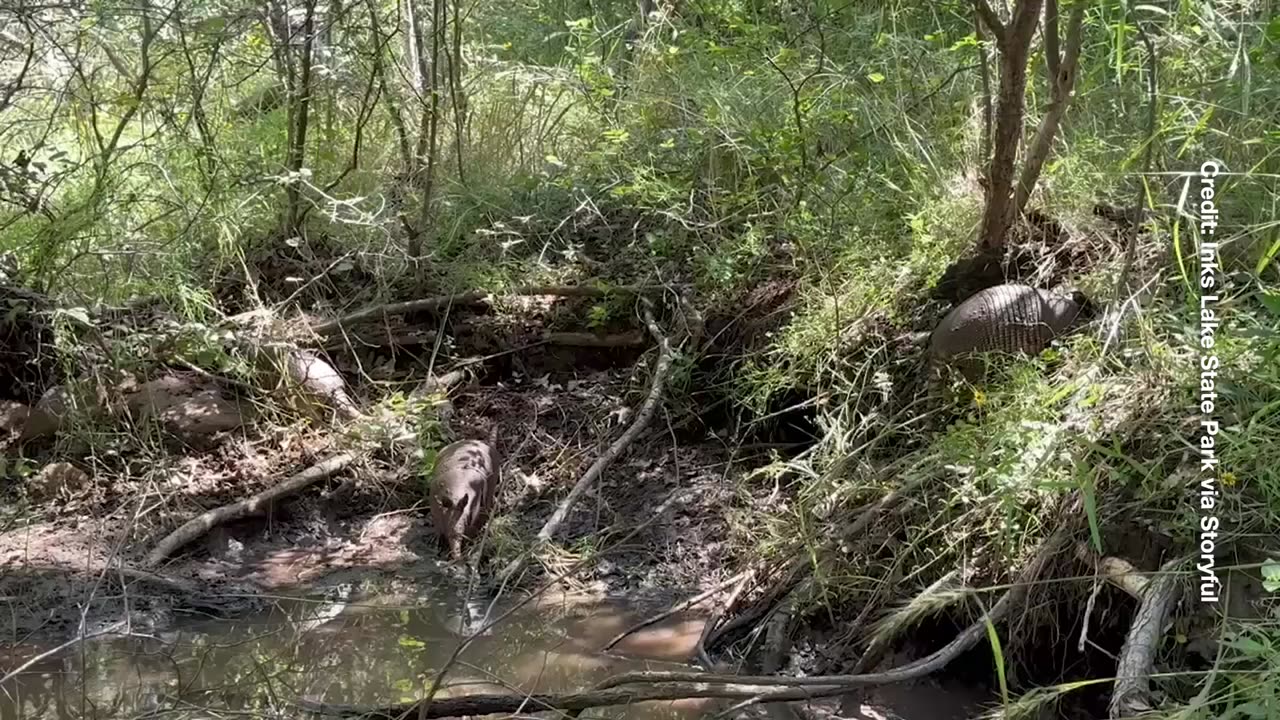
{"x": 1137, "y": 656}
{"x": 796, "y": 571}
{"x": 198, "y": 526}
{"x": 666, "y": 358}
{"x": 475, "y": 297}
{"x": 708, "y": 630}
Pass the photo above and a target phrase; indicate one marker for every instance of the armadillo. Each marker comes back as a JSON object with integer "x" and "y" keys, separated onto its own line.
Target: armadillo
{"x": 321, "y": 380}
{"x": 463, "y": 485}
{"x": 1004, "y": 318}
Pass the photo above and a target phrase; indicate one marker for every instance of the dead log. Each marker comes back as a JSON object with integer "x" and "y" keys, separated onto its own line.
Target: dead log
{"x": 198, "y": 526}
{"x": 1133, "y": 670}
{"x": 584, "y": 339}
{"x": 477, "y": 297}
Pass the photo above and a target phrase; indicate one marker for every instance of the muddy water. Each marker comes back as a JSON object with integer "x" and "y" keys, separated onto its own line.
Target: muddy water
{"x": 366, "y": 649}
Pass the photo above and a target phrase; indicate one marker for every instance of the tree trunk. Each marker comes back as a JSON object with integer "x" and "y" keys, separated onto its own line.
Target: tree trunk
{"x": 299, "y": 103}
{"x": 430, "y": 126}
{"x": 1062, "y": 81}
{"x": 1014, "y": 42}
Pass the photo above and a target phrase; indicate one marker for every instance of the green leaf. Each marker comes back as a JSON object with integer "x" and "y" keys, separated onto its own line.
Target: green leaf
{"x": 998, "y": 654}
{"x": 1273, "y": 30}
{"x": 1271, "y": 300}
{"x": 1268, "y": 256}
{"x": 1249, "y": 647}
{"x": 411, "y": 642}
{"x": 1271, "y": 575}
{"x": 876, "y": 78}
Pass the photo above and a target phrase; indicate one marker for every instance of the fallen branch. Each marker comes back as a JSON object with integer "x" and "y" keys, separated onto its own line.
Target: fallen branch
{"x": 476, "y": 297}
{"x": 205, "y": 522}
{"x": 678, "y": 607}
{"x": 489, "y": 704}
{"x": 584, "y": 339}
{"x": 665, "y": 361}
{"x": 403, "y": 338}
{"x": 1137, "y": 656}
{"x": 777, "y": 637}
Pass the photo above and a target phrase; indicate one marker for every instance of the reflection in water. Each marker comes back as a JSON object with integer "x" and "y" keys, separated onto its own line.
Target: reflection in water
{"x": 349, "y": 651}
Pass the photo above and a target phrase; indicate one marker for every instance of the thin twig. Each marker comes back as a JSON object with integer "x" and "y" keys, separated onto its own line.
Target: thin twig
{"x": 678, "y": 607}
{"x": 110, "y": 629}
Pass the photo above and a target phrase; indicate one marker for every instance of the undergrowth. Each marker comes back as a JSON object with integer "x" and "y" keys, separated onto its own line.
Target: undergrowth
{"x": 835, "y": 146}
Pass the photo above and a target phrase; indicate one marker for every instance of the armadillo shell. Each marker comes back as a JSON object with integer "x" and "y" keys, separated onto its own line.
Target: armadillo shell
{"x": 315, "y": 374}
{"x": 1004, "y": 318}
{"x": 320, "y": 379}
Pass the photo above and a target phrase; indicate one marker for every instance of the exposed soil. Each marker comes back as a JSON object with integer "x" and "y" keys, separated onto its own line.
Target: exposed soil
{"x": 371, "y": 521}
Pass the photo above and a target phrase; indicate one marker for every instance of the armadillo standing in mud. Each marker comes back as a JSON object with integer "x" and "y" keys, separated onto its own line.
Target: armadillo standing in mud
{"x": 463, "y": 486}
{"x": 1004, "y": 318}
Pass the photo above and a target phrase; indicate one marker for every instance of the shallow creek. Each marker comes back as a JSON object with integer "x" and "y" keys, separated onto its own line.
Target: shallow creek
{"x": 347, "y": 648}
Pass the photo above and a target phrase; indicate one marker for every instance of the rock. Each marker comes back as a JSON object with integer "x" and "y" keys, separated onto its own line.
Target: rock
{"x": 86, "y": 399}
{"x": 13, "y": 417}
{"x": 47, "y": 417}
{"x": 57, "y": 480}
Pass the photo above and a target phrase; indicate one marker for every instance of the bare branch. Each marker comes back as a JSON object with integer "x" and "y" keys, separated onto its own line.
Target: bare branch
{"x": 991, "y": 20}
{"x": 1061, "y": 85}
{"x": 1133, "y": 669}
{"x": 1051, "y": 56}
{"x": 205, "y": 522}
{"x": 666, "y": 357}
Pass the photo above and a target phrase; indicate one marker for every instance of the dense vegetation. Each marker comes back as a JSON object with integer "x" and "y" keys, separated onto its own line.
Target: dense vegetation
{"x": 811, "y": 183}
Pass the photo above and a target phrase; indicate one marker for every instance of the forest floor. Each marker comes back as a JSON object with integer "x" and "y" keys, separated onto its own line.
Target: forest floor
{"x": 75, "y": 537}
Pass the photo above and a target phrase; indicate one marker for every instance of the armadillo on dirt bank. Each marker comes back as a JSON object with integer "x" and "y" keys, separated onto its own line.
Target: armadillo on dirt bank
{"x": 1004, "y": 318}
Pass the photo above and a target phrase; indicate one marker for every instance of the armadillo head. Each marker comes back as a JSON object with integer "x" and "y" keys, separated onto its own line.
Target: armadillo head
{"x": 451, "y": 518}
{"x": 1061, "y": 312}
